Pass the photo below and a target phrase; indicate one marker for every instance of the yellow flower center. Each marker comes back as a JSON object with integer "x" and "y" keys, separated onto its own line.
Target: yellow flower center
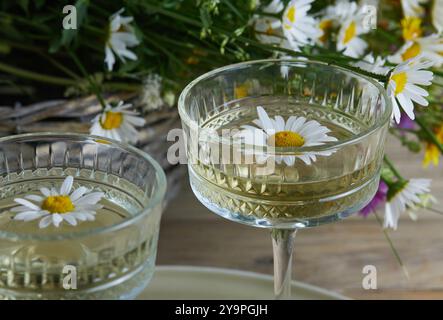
{"x": 286, "y": 139}
{"x": 350, "y": 32}
{"x": 291, "y": 14}
{"x": 411, "y": 52}
{"x": 113, "y": 120}
{"x": 400, "y": 80}
{"x": 325, "y": 25}
{"x": 58, "y": 204}
{"x": 411, "y": 28}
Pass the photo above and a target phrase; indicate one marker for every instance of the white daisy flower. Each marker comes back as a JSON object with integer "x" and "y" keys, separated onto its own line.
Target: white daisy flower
{"x": 407, "y": 196}
{"x": 298, "y": 27}
{"x": 348, "y": 39}
{"x": 150, "y": 97}
{"x": 341, "y": 10}
{"x": 117, "y": 123}
{"x": 403, "y": 86}
{"x": 295, "y": 132}
{"x": 413, "y": 8}
{"x": 54, "y": 207}
{"x": 430, "y": 48}
{"x": 121, "y": 37}
{"x": 268, "y": 29}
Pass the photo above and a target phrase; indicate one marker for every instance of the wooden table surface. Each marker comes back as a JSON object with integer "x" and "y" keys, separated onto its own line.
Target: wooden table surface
{"x": 330, "y": 256}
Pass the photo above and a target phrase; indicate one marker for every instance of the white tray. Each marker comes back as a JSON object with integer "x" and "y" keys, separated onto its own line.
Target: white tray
{"x": 193, "y": 283}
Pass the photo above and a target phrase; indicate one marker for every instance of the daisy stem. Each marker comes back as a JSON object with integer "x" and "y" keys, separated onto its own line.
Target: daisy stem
{"x": 429, "y": 133}
{"x": 37, "y": 76}
{"x": 94, "y": 86}
{"x": 391, "y": 245}
{"x": 434, "y": 210}
{"x": 330, "y": 60}
{"x": 392, "y": 168}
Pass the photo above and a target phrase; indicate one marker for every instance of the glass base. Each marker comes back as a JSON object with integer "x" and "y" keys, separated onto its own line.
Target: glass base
{"x": 123, "y": 288}
{"x": 228, "y": 205}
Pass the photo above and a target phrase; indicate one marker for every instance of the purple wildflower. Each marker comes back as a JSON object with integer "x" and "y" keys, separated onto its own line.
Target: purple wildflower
{"x": 379, "y": 198}
{"x": 406, "y": 122}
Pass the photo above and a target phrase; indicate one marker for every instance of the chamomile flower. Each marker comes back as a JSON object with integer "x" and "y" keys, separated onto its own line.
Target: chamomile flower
{"x": 121, "y": 37}
{"x": 413, "y": 8}
{"x": 403, "y": 86}
{"x": 430, "y": 48}
{"x": 294, "y": 132}
{"x": 349, "y": 40}
{"x": 268, "y": 29}
{"x": 55, "y": 207}
{"x": 411, "y": 28}
{"x": 403, "y": 196}
{"x": 117, "y": 123}
{"x": 341, "y": 10}
{"x": 150, "y": 97}
{"x": 298, "y": 27}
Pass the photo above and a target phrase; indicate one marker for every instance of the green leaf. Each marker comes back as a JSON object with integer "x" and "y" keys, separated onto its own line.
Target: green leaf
{"x": 24, "y": 4}
{"x": 4, "y": 48}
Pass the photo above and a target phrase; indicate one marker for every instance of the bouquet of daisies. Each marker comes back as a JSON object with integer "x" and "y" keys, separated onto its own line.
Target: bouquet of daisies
{"x": 155, "y": 47}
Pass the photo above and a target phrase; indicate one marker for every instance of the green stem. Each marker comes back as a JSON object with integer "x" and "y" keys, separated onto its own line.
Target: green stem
{"x": 392, "y": 168}
{"x": 391, "y": 245}
{"x": 94, "y": 86}
{"x": 37, "y": 76}
{"x": 429, "y": 133}
{"x": 247, "y": 41}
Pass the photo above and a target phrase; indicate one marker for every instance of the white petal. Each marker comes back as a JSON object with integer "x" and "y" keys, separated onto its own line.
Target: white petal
{"x": 27, "y": 203}
{"x": 45, "y": 221}
{"x": 27, "y": 215}
{"x": 264, "y": 119}
{"x": 56, "y": 219}
{"x": 34, "y": 197}
{"x": 91, "y": 198}
{"x": 78, "y": 193}
{"x": 69, "y": 218}
{"x": 67, "y": 185}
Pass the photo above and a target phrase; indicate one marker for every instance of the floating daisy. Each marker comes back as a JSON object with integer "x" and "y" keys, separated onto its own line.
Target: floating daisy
{"x": 268, "y": 29}
{"x": 295, "y": 132}
{"x": 54, "y": 207}
{"x": 117, "y": 123}
{"x": 403, "y": 196}
{"x": 403, "y": 86}
{"x": 121, "y": 37}
{"x": 298, "y": 27}
{"x": 430, "y": 48}
{"x": 348, "y": 39}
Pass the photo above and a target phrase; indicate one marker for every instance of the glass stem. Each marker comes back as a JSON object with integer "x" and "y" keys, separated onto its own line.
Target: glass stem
{"x": 282, "y": 245}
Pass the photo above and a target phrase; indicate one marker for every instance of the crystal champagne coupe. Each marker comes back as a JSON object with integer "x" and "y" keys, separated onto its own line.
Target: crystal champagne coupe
{"x": 79, "y": 217}
{"x": 314, "y": 156}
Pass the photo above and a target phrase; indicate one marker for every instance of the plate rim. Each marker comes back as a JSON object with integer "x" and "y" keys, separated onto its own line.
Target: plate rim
{"x": 249, "y": 275}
